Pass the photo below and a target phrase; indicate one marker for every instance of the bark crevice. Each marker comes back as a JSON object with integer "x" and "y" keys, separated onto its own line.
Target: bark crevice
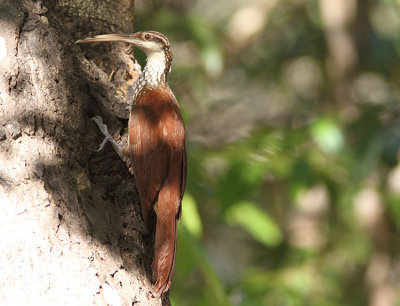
{"x": 69, "y": 216}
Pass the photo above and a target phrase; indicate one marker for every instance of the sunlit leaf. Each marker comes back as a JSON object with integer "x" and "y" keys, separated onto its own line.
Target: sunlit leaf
{"x": 190, "y": 215}
{"x": 256, "y": 222}
{"x": 206, "y": 38}
{"x": 213, "y": 61}
{"x": 327, "y": 134}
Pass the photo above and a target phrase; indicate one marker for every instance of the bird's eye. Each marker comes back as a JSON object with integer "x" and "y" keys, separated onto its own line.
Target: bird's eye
{"x": 147, "y": 36}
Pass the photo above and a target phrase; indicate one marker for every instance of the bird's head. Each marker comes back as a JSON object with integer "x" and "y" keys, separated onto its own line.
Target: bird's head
{"x": 153, "y": 43}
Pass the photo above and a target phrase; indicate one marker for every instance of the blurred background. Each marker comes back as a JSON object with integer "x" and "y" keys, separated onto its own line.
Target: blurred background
{"x": 293, "y": 120}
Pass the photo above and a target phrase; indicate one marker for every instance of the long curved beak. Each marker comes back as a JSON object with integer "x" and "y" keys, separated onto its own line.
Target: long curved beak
{"x": 108, "y": 38}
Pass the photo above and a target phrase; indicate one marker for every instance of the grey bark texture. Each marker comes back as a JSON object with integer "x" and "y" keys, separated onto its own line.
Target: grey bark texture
{"x": 71, "y": 232}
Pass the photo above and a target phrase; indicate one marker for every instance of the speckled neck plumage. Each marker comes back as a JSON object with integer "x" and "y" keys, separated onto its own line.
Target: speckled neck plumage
{"x": 154, "y": 73}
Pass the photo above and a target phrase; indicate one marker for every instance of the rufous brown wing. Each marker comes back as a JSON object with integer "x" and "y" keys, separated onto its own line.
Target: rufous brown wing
{"x": 157, "y": 148}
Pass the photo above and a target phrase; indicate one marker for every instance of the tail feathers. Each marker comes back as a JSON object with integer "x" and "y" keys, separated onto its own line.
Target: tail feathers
{"x": 164, "y": 252}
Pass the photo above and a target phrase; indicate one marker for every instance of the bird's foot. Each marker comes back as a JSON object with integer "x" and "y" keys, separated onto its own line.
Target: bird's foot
{"x": 104, "y": 130}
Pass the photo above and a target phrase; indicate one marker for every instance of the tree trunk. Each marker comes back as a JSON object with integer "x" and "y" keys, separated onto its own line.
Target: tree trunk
{"x": 71, "y": 231}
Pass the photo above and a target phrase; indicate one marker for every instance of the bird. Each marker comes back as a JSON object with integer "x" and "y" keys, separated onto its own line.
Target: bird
{"x": 156, "y": 146}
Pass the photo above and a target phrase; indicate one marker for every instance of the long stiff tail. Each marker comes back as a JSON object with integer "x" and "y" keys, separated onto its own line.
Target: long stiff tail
{"x": 164, "y": 249}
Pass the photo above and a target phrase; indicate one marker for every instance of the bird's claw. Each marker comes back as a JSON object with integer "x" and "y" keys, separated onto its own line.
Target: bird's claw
{"x": 104, "y": 131}
{"x": 101, "y": 147}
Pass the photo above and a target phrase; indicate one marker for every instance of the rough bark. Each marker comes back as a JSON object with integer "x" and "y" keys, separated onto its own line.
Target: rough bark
{"x": 70, "y": 226}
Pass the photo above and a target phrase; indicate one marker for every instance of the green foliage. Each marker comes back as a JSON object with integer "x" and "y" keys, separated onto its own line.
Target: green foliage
{"x": 299, "y": 195}
{"x": 258, "y": 224}
{"x": 327, "y": 135}
{"x": 191, "y": 218}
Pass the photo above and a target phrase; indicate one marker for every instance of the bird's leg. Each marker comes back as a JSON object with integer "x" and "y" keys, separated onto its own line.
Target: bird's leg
{"x": 104, "y": 130}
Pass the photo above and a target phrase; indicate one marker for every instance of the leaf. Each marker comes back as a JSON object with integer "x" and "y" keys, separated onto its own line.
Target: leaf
{"x": 209, "y": 286}
{"x": 255, "y": 221}
{"x": 207, "y": 40}
{"x": 327, "y": 134}
{"x": 190, "y": 216}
